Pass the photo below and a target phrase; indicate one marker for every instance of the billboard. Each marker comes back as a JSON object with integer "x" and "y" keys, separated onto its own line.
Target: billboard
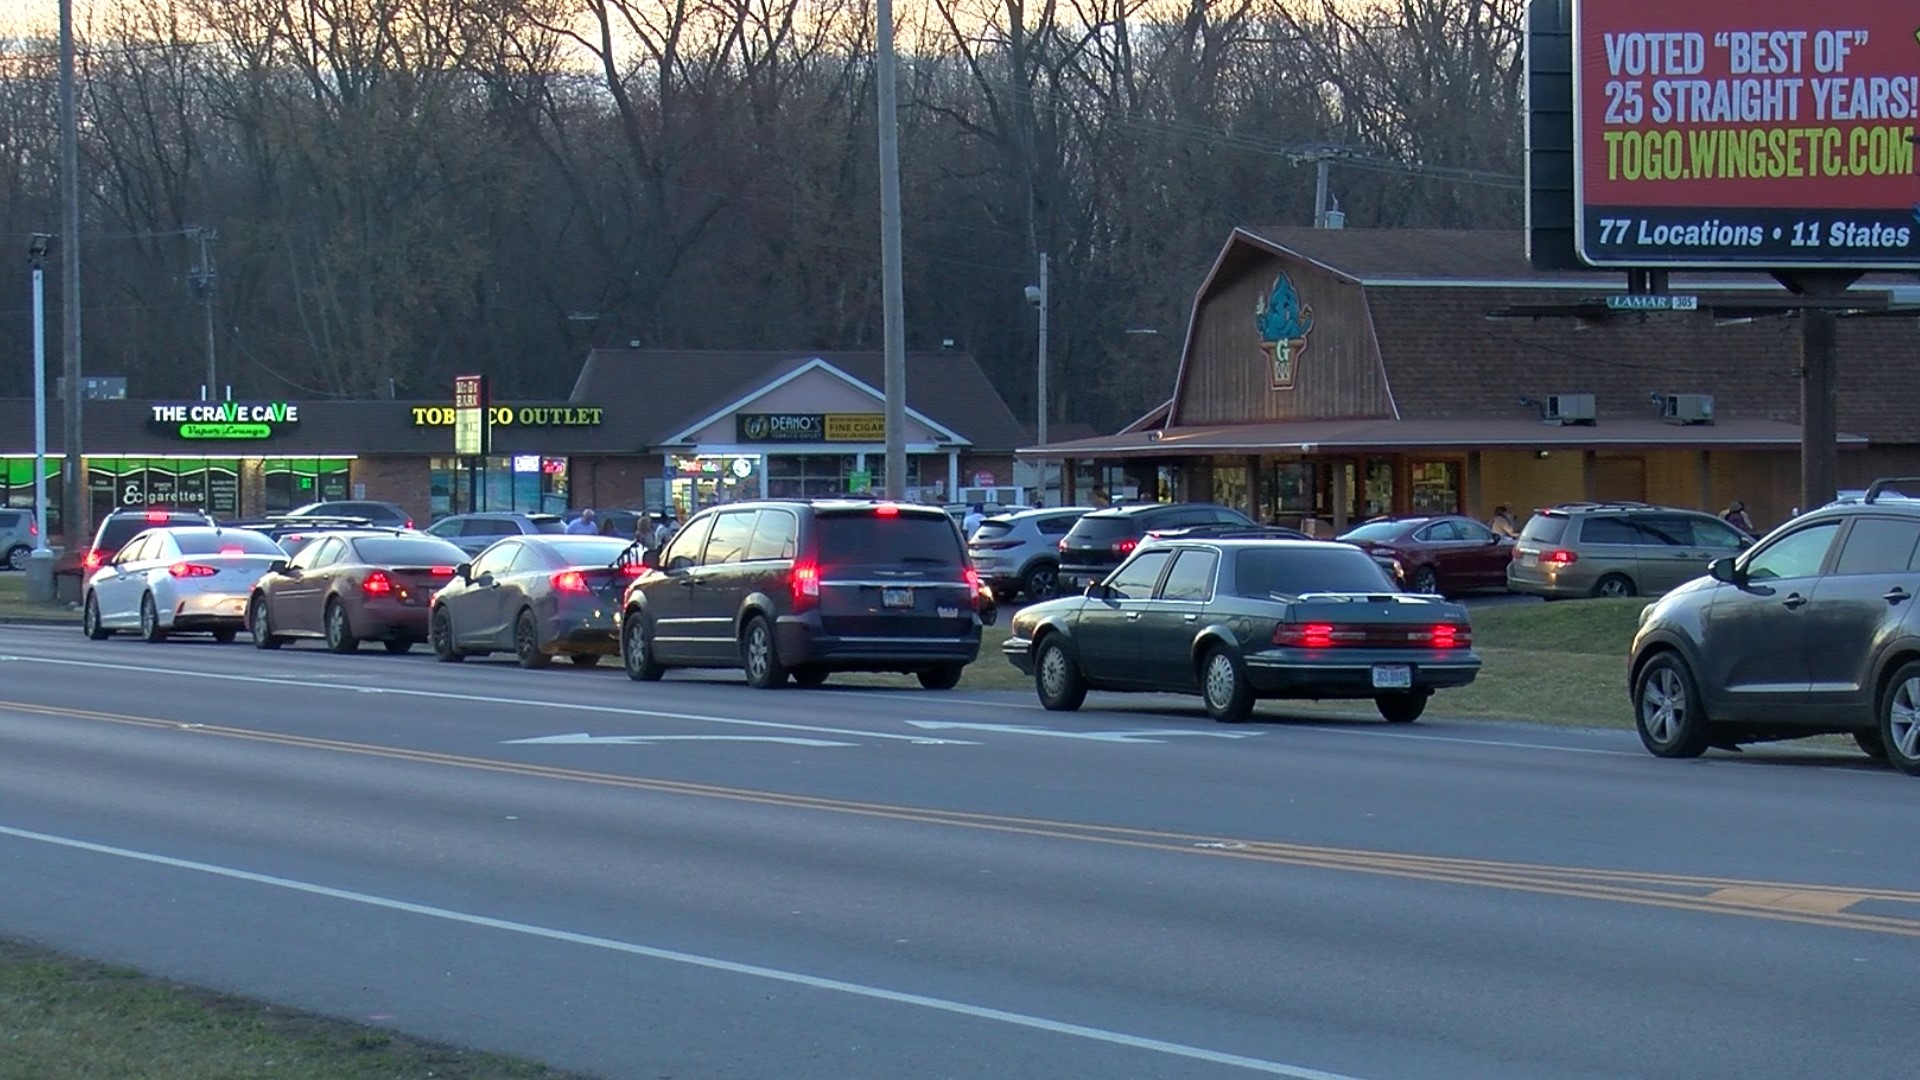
{"x": 1765, "y": 134}
{"x": 472, "y": 434}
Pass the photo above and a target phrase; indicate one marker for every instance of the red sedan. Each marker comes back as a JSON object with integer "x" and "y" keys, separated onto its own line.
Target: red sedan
{"x": 1441, "y": 554}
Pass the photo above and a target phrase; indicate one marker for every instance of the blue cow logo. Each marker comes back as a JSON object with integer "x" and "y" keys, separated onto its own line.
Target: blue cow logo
{"x": 1283, "y": 323}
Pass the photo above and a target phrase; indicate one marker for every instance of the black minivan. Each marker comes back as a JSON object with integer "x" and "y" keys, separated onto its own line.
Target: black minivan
{"x": 805, "y": 589}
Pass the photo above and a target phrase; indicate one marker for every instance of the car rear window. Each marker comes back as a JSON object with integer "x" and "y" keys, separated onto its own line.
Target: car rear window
{"x": 117, "y": 531}
{"x": 1104, "y": 528}
{"x": 1545, "y": 528}
{"x": 589, "y": 550}
{"x": 1375, "y": 531}
{"x": 226, "y": 542}
{"x": 868, "y": 539}
{"x": 1292, "y": 571}
{"x": 407, "y": 551}
{"x": 992, "y": 528}
{"x": 548, "y": 524}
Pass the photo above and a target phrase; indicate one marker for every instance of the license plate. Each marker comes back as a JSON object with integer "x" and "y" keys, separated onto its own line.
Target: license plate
{"x": 1392, "y": 677}
{"x": 1529, "y": 558}
{"x": 901, "y": 598}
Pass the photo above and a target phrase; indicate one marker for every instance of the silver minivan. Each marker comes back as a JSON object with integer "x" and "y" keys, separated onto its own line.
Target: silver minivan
{"x": 1617, "y": 549}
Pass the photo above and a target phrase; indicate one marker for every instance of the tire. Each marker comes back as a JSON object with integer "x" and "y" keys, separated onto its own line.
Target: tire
{"x": 90, "y": 620}
{"x": 809, "y": 677}
{"x": 1871, "y": 743}
{"x": 1899, "y": 727}
{"x": 17, "y": 557}
{"x": 1615, "y": 586}
{"x": 1425, "y": 581}
{"x": 636, "y": 651}
{"x": 584, "y": 659}
{"x": 225, "y": 635}
{"x": 340, "y": 637}
{"x": 1056, "y": 677}
{"x": 398, "y": 646}
{"x": 1401, "y": 708}
{"x": 150, "y": 630}
{"x": 1666, "y": 709}
{"x": 1224, "y": 687}
{"x": 260, "y": 625}
{"x": 1040, "y": 581}
{"x": 440, "y": 636}
{"x": 944, "y": 677}
{"x": 760, "y": 655}
{"x": 526, "y": 642}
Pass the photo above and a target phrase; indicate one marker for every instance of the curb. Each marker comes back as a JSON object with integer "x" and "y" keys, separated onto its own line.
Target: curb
{"x": 49, "y": 619}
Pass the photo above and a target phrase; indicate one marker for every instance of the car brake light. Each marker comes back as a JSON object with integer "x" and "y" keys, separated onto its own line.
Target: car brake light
{"x": 804, "y": 581}
{"x": 1317, "y": 635}
{"x": 409, "y": 523}
{"x": 1062, "y": 545}
{"x": 1560, "y": 557}
{"x": 377, "y": 584}
{"x": 570, "y": 581}
{"x": 156, "y": 517}
{"x": 634, "y": 569}
{"x": 233, "y": 551}
{"x": 33, "y": 528}
{"x": 973, "y": 585}
{"x": 887, "y": 510}
{"x": 1449, "y": 636}
{"x": 1123, "y": 546}
{"x": 187, "y": 569}
{"x": 441, "y": 571}
{"x": 92, "y": 559}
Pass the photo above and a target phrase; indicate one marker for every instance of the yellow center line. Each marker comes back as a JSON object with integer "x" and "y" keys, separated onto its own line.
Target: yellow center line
{"x": 1811, "y": 904}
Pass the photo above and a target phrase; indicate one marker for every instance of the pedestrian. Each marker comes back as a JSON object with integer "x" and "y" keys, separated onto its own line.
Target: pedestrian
{"x": 976, "y": 513}
{"x": 606, "y": 527}
{"x": 583, "y": 525}
{"x": 664, "y": 531}
{"x": 1503, "y": 523}
{"x": 1736, "y": 515}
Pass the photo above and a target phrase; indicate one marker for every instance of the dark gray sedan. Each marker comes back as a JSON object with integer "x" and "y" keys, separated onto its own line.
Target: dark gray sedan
{"x": 537, "y": 597}
{"x": 1239, "y": 620}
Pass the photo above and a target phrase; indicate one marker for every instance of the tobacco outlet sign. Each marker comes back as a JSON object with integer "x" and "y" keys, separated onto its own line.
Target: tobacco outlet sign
{"x": 512, "y": 415}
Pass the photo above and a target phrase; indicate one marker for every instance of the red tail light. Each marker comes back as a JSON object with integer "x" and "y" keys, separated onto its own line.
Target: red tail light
{"x": 973, "y": 585}
{"x": 441, "y": 571}
{"x": 233, "y": 551}
{"x": 1449, "y": 636}
{"x": 1318, "y": 635}
{"x": 92, "y": 560}
{"x": 187, "y": 569}
{"x": 33, "y": 528}
{"x": 887, "y": 510}
{"x": 156, "y": 517}
{"x": 1062, "y": 545}
{"x": 409, "y": 523}
{"x": 1559, "y": 557}
{"x": 804, "y": 581}
{"x": 633, "y": 569}
{"x": 1124, "y": 546}
{"x": 570, "y": 581}
{"x": 377, "y": 584}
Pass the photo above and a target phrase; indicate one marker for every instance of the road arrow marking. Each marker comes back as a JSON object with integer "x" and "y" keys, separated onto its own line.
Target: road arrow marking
{"x": 1148, "y": 736}
{"x": 584, "y": 739}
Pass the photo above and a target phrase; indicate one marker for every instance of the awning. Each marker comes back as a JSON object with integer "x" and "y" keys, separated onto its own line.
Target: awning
{"x": 1344, "y": 436}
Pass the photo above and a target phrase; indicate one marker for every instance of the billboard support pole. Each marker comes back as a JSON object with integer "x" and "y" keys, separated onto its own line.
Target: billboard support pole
{"x": 1819, "y": 409}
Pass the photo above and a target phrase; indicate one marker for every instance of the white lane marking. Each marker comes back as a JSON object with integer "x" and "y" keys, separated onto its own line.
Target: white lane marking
{"x": 1142, "y": 736}
{"x": 1512, "y": 745}
{"x": 488, "y": 699}
{"x": 816, "y": 982}
{"x": 584, "y": 739}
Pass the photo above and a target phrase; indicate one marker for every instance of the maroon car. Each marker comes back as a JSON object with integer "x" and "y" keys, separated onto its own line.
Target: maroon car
{"x": 1443, "y": 554}
{"x": 348, "y": 587}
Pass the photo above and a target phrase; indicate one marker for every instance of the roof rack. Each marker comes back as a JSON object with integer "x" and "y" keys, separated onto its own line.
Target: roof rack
{"x": 1587, "y": 504}
{"x": 1874, "y": 489}
{"x": 1224, "y": 531}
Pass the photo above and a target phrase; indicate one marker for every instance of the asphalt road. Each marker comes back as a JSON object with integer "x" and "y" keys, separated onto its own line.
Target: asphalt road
{"x": 691, "y": 879}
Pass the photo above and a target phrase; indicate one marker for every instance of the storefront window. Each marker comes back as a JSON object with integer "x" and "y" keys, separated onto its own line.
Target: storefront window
{"x": 16, "y": 488}
{"x": 1376, "y": 496}
{"x": 1434, "y": 487}
{"x": 518, "y": 483}
{"x": 1230, "y": 486}
{"x": 1286, "y": 490}
{"x": 211, "y": 484}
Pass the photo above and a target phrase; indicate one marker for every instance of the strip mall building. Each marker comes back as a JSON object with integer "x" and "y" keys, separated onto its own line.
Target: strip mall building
{"x": 642, "y": 429}
{"x": 1331, "y": 375}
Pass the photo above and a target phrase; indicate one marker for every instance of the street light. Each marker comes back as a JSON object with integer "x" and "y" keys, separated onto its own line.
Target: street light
{"x": 1037, "y": 296}
{"x": 40, "y": 563}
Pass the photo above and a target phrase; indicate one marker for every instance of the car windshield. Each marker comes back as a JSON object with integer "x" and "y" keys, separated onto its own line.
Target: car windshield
{"x": 1375, "y": 530}
{"x": 867, "y": 539}
{"x": 1545, "y": 528}
{"x": 407, "y": 551}
{"x": 226, "y": 542}
{"x": 1291, "y": 571}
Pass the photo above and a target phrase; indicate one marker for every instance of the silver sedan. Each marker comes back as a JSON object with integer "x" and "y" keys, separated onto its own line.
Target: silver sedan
{"x": 178, "y": 580}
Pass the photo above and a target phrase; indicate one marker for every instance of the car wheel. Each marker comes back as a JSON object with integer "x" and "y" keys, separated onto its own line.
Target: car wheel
{"x": 1615, "y": 586}
{"x": 944, "y": 677}
{"x": 810, "y": 677}
{"x": 150, "y": 629}
{"x": 90, "y": 620}
{"x": 1899, "y": 729}
{"x": 759, "y": 656}
{"x": 1041, "y": 581}
{"x": 1870, "y": 743}
{"x": 636, "y": 651}
{"x": 440, "y": 636}
{"x": 225, "y": 635}
{"x": 1057, "y": 678}
{"x": 526, "y": 642}
{"x": 18, "y": 556}
{"x": 1224, "y": 687}
{"x": 260, "y": 625}
{"x": 1401, "y": 708}
{"x": 398, "y": 646}
{"x": 1426, "y": 581}
{"x": 584, "y": 659}
{"x": 340, "y": 637}
{"x": 1666, "y": 709}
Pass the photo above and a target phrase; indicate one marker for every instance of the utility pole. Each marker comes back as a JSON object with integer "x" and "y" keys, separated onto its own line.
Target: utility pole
{"x": 200, "y": 279}
{"x": 40, "y": 563}
{"x": 892, "y": 302}
{"x": 74, "y": 510}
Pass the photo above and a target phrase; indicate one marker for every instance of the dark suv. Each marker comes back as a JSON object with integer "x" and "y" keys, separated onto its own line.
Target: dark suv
{"x": 1814, "y": 630}
{"x": 806, "y": 589}
{"x": 120, "y": 526}
{"x": 1103, "y": 539}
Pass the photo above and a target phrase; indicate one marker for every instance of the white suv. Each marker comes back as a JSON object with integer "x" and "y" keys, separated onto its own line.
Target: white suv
{"x": 1021, "y": 551}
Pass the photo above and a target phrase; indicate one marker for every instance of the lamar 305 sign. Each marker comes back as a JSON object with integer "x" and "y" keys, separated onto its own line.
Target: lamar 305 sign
{"x": 1768, "y": 133}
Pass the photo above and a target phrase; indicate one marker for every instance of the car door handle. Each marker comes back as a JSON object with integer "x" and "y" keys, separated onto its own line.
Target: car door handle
{"x": 1794, "y": 600}
{"x": 1132, "y": 615}
{"x": 1189, "y": 618}
{"x": 1896, "y": 594}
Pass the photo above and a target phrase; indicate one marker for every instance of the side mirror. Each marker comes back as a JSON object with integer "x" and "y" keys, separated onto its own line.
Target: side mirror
{"x": 1724, "y": 569}
{"x": 680, "y": 562}
{"x": 464, "y": 572}
{"x": 1097, "y": 590}
{"x": 277, "y": 566}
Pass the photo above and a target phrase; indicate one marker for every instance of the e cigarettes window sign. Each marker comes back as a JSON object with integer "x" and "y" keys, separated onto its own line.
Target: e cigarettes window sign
{"x": 1765, "y": 134}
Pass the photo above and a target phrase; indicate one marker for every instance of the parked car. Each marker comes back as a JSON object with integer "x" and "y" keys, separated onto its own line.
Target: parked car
{"x": 1815, "y": 630}
{"x": 535, "y": 596}
{"x": 349, "y": 587}
{"x": 293, "y": 539}
{"x": 1616, "y": 549}
{"x": 473, "y": 533}
{"x": 1102, "y": 539}
{"x": 369, "y": 511}
{"x": 1442, "y": 554}
{"x": 1020, "y": 551}
{"x": 805, "y": 589}
{"x": 120, "y": 526}
{"x": 17, "y": 534}
{"x": 181, "y": 579}
{"x": 1239, "y": 620}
